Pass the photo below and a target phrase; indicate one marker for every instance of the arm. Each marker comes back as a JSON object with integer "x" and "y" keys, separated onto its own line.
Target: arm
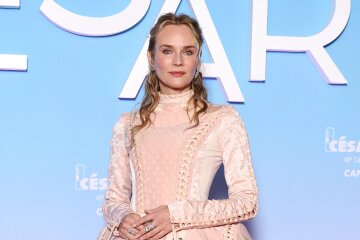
{"x": 243, "y": 194}
{"x": 117, "y": 196}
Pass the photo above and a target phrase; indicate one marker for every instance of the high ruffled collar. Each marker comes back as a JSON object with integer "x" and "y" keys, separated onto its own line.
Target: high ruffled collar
{"x": 176, "y": 98}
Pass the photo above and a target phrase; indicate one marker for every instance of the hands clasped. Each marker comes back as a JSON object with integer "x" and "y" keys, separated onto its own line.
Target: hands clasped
{"x": 154, "y": 225}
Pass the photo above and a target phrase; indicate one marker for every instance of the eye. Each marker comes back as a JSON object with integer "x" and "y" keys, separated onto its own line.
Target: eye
{"x": 166, "y": 51}
{"x": 188, "y": 52}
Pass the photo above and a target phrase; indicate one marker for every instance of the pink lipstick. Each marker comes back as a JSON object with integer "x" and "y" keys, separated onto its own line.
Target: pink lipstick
{"x": 177, "y": 73}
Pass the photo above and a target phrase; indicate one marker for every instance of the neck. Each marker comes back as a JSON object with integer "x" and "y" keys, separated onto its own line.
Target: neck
{"x": 176, "y": 98}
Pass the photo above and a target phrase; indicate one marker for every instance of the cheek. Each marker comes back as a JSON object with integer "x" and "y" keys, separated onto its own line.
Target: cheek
{"x": 192, "y": 65}
{"x": 161, "y": 62}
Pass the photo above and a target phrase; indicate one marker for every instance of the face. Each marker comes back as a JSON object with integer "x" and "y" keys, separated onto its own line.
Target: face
{"x": 175, "y": 58}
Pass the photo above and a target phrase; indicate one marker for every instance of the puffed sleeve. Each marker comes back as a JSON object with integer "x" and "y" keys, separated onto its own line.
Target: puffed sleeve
{"x": 117, "y": 196}
{"x": 242, "y": 203}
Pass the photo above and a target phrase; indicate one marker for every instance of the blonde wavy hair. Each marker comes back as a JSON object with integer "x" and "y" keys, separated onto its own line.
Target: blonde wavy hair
{"x": 197, "y": 104}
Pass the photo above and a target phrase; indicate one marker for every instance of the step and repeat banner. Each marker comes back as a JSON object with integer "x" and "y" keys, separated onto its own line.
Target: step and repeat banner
{"x": 68, "y": 69}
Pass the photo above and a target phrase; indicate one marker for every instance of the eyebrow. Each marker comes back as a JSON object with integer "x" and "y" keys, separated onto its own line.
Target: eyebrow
{"x": 171, "y": 46}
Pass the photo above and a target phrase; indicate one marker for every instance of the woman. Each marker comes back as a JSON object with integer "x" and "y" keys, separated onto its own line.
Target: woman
{"x": 165, "y": 155}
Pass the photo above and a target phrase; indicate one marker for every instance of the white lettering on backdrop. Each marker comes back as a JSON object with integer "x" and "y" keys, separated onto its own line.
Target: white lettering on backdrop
{"x": 12, "y": 62}
{"x": 221, "y": 69}
{"x": 312, "y": 45}
{"x": 95, "y": 26}
{"x": 102, "y": 26}
{"x": 9, "y": 3}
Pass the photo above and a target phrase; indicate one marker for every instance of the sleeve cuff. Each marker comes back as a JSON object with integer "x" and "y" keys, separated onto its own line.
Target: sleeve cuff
{"x": 176, "y": 211}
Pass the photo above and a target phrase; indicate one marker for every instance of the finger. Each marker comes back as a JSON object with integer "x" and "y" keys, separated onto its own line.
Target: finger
{"x": 146, "y": 218}
{"x": 126, "y": 235}
{"x": 130, "y": 237}
{"x": 140, "y": 228}
{"x": 125, "y": 230}
{"x": 136, "y": 231}
{"x": 161, "y": 234}
{"x": 163, "y": 230}
{"x": 151, "y": 233}
{"x": 144, "y": 229}
{"x": 124, "y": 226}
{"x": 129, "y": 220}
{"x": 132, "y": 231}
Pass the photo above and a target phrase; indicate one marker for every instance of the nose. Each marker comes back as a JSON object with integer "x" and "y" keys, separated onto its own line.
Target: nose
{"x": 178, "y": 60}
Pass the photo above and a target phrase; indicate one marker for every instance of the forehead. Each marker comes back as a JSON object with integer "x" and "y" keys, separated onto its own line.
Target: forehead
{"x": 176, "y": 35}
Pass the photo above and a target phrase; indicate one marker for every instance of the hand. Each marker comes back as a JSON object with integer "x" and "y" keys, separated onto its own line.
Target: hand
{"x": 127, "y": 222}
{"x": 160, "y": 219}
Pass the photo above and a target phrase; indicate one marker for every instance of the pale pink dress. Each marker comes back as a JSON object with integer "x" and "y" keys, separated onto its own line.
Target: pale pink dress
{"x": 172, "y": 164}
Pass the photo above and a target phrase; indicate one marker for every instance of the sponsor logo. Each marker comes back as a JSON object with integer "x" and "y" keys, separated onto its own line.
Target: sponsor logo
{"x": 352, "y": 173}
{"x": 91, "y": 182}
{"x": 340, "y": 144}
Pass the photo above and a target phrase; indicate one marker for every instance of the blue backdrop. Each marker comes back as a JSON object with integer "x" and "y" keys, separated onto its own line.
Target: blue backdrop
{"x": 56, "y": 120}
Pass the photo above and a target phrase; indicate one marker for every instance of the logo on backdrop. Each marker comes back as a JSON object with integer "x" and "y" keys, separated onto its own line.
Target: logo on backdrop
{"x": 344, "y": 144}
{"x": 91, "y": 182}
{"x": 341, "y": 144}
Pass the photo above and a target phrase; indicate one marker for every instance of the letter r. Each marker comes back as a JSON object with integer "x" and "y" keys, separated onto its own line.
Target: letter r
{"x": 312, "y": 45}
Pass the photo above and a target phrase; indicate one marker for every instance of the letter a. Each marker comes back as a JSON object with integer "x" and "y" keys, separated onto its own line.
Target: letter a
{"x": 220, "y": 69}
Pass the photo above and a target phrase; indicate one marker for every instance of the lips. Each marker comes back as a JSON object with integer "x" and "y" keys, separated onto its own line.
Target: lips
{"x": 177, "y": 73}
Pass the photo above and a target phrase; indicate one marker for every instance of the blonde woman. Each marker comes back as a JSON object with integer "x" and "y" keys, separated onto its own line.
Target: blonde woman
{"x": 165, "y": 155}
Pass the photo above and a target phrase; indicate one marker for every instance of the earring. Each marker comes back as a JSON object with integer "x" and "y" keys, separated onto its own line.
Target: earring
{"x": 197, "y": 72}
{"x": 151, "y": 67}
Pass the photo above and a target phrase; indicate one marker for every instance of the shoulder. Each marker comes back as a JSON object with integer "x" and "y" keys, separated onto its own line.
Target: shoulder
{"x": 225, "y": 111}
{"x": 125, "y": 120}
{"x": 227, "y": 115}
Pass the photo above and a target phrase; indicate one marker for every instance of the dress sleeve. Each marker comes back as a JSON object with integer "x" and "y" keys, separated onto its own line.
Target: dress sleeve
{"x": 117, "y": 196}
{"x": 242, "y": 203}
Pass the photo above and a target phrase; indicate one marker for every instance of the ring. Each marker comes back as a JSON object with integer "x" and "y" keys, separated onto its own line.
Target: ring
{"x": 131, "y": 231}
{"x": 150, "y": 226}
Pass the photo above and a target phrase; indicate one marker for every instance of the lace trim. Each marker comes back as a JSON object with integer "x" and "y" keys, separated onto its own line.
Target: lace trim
{"x": 229, "y": 233}
{"x": 191, "y": 147}
{"x": 213, "y": 222}
{"x": 248, "y": 162}
{"x": 176, "y": 98}
{"x": 139, "y": 179}
{"x": 185, "y": 180}
{"x": 139, "y": 200}
{"x": 113, "y": 210}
